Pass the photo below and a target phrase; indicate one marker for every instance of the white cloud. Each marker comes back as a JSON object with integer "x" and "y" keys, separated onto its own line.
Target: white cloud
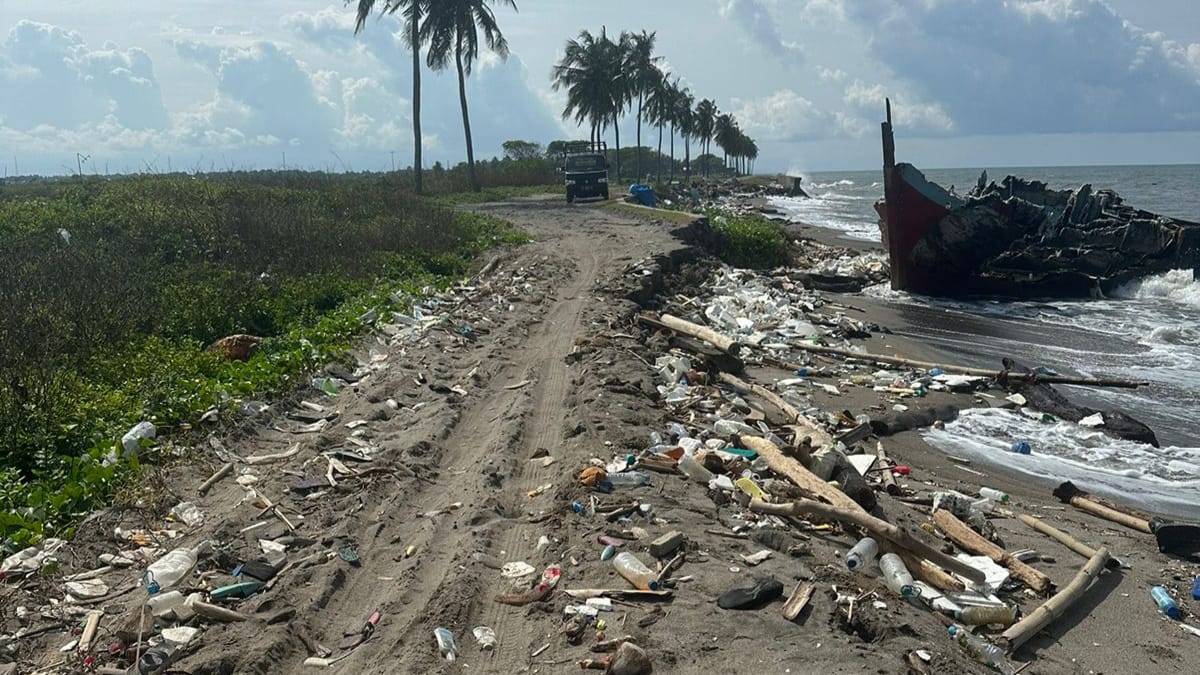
{"x": 754, "y": 17}
{"x": 831, "y": 74}
{"x": 1035, "y": 66}
{"x": 784, "y": 116}
{"x": 907, "y": 112}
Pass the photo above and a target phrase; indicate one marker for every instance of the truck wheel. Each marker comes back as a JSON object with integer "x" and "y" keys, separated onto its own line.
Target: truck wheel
{"x": 570, "y": 197}
{"x": 606, "y": 194}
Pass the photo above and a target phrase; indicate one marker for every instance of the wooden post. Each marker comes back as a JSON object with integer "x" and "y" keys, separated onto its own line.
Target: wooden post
{"x": 712, "y": 337}
{"x": 221, "y": 473}
{"x": 1053, "y": 608}
{"x": 971, "y": 541}
{"x": 854, "y": 515}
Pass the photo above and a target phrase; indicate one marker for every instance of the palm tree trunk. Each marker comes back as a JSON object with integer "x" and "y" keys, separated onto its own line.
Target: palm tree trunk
{"x": 617, "y": 131}
{"x": 687, "y": 158}
{"x": 672, "y": 151}
{"x": 638, "y": 177}
{"x": 462, "y": 97}
{"x": 658, "y": 160}
{"x": 416, "y": 101}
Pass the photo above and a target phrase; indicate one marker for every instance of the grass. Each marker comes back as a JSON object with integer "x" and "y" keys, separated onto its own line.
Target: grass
{"x": 671, "y": 215}
{"x": 498, "y": 194}
{"x": 113, "y": 289}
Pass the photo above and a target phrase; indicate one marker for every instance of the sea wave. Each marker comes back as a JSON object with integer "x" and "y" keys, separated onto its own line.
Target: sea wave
{"x": 1177, "y": 286}
{"x": 1162, "y": 479}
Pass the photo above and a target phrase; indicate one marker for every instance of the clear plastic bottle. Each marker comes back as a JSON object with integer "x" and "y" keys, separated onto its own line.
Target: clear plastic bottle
{"x": 981, "y": 650}
{"x": 171, "y": 569}
{"x": 445, "y": 643}
{"x": 628, "y": 479}
{"x": 162, "y": 603}
{"x": 635, "y": 572}
{"x": 993, "y": 494}
{"x": 486, "y": 637}
{"x": 694, "y": 470}
{"x": 897, "y": 576}
{"x": 987, "y": 616}
{"x": 862, "y": 555}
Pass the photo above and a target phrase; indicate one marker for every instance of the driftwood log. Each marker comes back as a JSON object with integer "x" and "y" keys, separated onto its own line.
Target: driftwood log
{"x": 889, "y": 480}
{"x": 964, "y": 370}
{"x": 712, "y": 337}
{"x": 972, "y": 542}
{"x": 1069, "y": 494}
{"x": 853, "y": 515}
{"x": 1019, "y": 633}
{"x": 820, "y": 437}
{"x": 806, "y": 480}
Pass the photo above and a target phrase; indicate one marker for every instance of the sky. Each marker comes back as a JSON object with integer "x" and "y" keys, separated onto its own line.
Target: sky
{"x": 217, "y": 84}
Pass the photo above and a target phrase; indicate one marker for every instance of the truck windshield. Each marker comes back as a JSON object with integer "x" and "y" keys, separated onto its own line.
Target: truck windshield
{"x": 585, "y": 163}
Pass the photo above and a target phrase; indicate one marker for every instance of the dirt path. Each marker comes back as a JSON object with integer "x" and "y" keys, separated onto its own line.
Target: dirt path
{"x": 522, "y": 397}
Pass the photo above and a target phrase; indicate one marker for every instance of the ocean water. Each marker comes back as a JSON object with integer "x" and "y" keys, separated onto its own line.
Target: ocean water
{"x": 1149, "y": 330}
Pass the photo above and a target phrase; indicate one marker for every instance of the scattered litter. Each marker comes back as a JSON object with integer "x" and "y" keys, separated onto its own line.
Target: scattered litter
{"x": 517, "y": 570}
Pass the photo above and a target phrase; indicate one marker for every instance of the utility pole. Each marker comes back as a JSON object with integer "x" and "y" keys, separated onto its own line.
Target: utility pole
{"x": 393, "y": 152}
{"x": 79, "y": 160}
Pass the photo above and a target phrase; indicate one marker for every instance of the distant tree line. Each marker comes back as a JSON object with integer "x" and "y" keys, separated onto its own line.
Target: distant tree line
{"x": 605, "y": 79}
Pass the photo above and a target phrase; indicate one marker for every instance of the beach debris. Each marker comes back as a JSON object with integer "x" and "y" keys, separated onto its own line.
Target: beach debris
{"x": 762, "y": 591}
{"x": 797, "y": 601}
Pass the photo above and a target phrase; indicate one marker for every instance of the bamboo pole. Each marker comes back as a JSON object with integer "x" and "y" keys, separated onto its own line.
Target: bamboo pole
{"x": 1019, "y": 634}
{"x": 964, "y": 370}
{"x": 854, "y": 515}
{"x": 1064, "y": 538}
{"x": 971, "y": 541}
{"x": 889, "y": 480}
{"x": 820, "y": 437}
{"x": 712, "y": 337}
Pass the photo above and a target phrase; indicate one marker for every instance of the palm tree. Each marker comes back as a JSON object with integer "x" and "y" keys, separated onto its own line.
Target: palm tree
{"x": 658, "y": 112}
{"x": 640, "y": 64}
{"x": 685, "y": 122}
{"x": 413, "y": 10}
{"x": 706, "y": 119}
{"x": 452, "y": 29}
{"x": 725, "y": 131}
{"x": 591, "y": 70}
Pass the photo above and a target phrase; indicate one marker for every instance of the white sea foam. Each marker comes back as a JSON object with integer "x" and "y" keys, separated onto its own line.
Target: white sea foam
{"x": 1161, "y": 479}
{"x": 829, "y": 210}
{"x": 1177, "y": 286}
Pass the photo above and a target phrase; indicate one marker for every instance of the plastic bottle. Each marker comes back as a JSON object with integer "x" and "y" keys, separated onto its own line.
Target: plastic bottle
{"x": 993, "y": 494}
{"x": 635, "y": 572}
{"x": 863, "y": 554}
{"x": 485, "y": 636}
{"x": 170, "y": 569}
{"x": 1165, "y": 604}
{"x": 162, "y": 603}
{"x": 628, "y": 479}
{"x": 131, "y": 442}
{"x": 896, "y": 575}
{"x": 1196, "y": 589}
{"x": 694, "y": 470}
{"x": 1021, "y": 448}
{"x": 445, "y": 643}
{"x": 982, "y": 650}
{"x": 987, "y": 616}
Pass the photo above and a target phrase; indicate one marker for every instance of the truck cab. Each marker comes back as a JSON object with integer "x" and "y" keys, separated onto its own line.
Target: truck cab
{"x": 586, "y": 169}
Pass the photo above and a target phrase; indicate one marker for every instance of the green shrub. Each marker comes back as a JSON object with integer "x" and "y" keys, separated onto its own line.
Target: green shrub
{"x": 749, "y": 241}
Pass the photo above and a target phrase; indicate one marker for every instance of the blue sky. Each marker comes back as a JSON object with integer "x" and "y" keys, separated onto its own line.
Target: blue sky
{"x": 214, "y": 84}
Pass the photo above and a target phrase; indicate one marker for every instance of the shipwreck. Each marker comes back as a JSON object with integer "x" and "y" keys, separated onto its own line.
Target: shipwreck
{"x": 1019, "y": 238}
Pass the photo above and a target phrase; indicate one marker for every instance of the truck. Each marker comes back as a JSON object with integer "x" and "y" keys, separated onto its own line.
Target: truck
{"x": 585, "y": 167}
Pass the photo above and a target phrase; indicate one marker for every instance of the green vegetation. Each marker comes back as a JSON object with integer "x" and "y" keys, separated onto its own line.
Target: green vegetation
{"x": 113, "y": 288}
{"x": 749, "y": 241}
{"x": 499, "y": 194}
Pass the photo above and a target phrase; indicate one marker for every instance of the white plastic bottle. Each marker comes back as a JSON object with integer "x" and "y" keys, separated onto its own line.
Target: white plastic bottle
{"x": 171, "y": 569}
{"x": 897, "y": 576}
{"x": 862, "y": 555}
{"x": 628, "y": 479}
{"x": 993, "y": 494}
{"x": 694, "y": 470}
